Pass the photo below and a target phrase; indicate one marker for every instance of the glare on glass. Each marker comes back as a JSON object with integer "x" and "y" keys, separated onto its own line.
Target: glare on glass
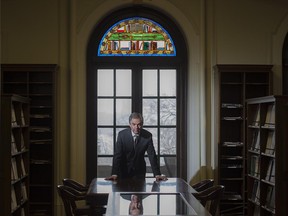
{"x": 104, "y": 166}
{"x": 105, "y": 141}
{"x": 123, "y": 110}
{"x": 167, "y": 82}
{"x": 105, "y": 82}
{"x": 149, "y": 82}
{"x": 150, "y": 111}
{"x": 105, "y": 112}
{"x": 168, "y": 141}
{"x": 168, "y": 112}
{"x": 123, "y": 82}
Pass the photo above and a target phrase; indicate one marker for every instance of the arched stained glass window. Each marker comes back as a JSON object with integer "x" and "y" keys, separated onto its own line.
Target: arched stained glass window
{"x": 136, "y": 36}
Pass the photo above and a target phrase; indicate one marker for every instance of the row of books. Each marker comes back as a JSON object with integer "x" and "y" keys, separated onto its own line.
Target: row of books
{"x": 136, "y": 27}
{"x": 255, "y": 143}
{"x": 255, "y": 195}
{"x": 14, "y": 121}
{"x": 270, "y": 175}
{"x": 270, "y": 198}
{"x": 269, "y": 202}
{"x": 270, "y": 117}
{"x": 255, "y": 168}
{"x": 16, "y": 202}
{"x": 135, "y": 45}
{"x": 14, "y": 146}
{"x": 270, "y": 142}
{"x": 15, "y": 175}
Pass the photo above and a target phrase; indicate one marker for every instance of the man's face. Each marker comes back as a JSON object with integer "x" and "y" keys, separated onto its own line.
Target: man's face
{"x": 135, "y": 206}
{"x": 136, "y": 125}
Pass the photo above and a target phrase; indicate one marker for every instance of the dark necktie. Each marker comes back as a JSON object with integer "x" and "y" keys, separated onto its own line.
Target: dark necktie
{"x": 136, "y": 137}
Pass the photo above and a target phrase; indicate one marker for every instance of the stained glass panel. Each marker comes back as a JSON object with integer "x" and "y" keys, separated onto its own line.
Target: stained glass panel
{"x": 136, "y": 36}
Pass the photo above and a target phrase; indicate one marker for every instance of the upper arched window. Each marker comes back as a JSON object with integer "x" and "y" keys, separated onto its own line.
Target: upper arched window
{"x": 136, "y": 36}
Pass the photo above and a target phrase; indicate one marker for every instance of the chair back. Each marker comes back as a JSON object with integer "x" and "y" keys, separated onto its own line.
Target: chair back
{"x": 203, "y": 184}
{"x": 65, "y": 199}
{"x": 75, "y": 184}
{"x": 210, "y": 198}
{"x": 69, "y": 197}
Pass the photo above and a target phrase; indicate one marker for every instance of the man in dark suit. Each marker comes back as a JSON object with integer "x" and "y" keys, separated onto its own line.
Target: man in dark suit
{"x": 131, "y": 145}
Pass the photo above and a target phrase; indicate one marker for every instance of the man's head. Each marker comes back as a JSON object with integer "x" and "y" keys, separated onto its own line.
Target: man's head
{"x": 136, "y": 122}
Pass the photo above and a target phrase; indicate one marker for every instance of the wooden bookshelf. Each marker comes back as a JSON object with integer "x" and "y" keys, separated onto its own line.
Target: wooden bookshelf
{"x": 14, "y": 154}
{"x": 236, "y": 84}
{"x": 271, "y": 195}
{"x": 37, "y": 81}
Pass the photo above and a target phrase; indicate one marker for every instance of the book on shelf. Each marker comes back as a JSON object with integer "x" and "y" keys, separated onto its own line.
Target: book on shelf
{"x": 256, "y": 121}
{"x": 154, "y": 45}
{"x": 270, "y": 198}
{"x": 270, "y": 145}
{"x": 13, "y": 148}
{"x": 255, "y": 145}
{"x": 23, "y": 122}
{"x": 23, "y": 167}
{"x": 24, "y": 191}
{"x": 270, "y": 116}
{"x": 270, "y": 175}
{"x": 23, "y": 147}
{"x": 254, "y": 166}
{"x": 256, "y": 210}
{"x": 13, "y": 117}
{"x": 12, "y": 174}
{"x": 257, "y": 192}
{"x": 14, "y": 168}
{"x": 13, "y": 199}
{"x": 146, "y": 45}
{"x": 23, "y": 212}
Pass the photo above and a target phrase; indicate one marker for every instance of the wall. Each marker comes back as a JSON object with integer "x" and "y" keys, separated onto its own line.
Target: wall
{"x": 216, "y": 32}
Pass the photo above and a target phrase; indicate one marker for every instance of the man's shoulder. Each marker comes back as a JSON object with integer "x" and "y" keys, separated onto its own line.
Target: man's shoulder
{"x": 145, "y": 133}
{"x": 125, "y": 131}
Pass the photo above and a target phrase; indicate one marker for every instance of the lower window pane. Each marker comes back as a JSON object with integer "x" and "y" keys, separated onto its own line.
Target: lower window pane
{"x": 168, "y": 141}
{"x": 104, "y": 167}
{"x": 105, "y": 141}
{"x": 168, "y": 112}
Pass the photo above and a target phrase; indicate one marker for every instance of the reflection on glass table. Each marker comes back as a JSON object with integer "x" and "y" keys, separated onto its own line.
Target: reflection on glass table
{"x": 152, "y": 204}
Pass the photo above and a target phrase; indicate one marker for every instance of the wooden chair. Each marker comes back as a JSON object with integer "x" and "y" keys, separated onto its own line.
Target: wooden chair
{"x": 74, "y": 184}
{"x": 70, "y": 197}
{"x": 203, "y": 185}
{"x": 210, "y": 198}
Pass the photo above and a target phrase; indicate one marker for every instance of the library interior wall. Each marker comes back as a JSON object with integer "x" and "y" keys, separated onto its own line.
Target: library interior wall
{"x": 217, "y": 32}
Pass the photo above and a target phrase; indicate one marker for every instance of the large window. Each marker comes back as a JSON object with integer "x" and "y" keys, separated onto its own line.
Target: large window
{"x": 114, "y": 105}
{"x": 154, "y": 85}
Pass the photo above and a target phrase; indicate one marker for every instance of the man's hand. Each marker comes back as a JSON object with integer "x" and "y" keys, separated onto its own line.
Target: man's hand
{"x": 111, "y": 178}
{"x": 161, "y": 178}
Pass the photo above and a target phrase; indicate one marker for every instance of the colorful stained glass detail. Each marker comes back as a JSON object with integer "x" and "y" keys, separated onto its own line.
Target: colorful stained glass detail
{"x": 136, "y": 36}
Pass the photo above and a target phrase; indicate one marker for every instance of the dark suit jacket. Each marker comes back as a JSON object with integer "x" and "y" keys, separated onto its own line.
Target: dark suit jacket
{"x": 129, "y": 162}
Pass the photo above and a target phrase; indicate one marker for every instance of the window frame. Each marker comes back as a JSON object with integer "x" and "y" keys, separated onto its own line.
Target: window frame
{"x": 178, "y": 62}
